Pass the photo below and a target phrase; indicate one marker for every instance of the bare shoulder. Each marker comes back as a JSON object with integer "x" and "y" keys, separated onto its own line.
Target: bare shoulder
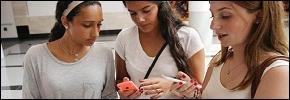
{"x": 274, "y": 83}
{"x": 276, "y": 72}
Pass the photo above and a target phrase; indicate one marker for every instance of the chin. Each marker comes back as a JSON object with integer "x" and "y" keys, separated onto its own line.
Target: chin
{"x": 146, "y": 30}
{"x": 224, "y": 45}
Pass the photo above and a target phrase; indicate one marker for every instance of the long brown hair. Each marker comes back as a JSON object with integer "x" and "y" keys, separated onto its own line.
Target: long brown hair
{"x": 170, "y": 23}
{"x": 265, "y": 36}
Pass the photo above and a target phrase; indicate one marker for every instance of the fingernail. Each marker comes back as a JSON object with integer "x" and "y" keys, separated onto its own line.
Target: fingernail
{"x": 191, "y": 81}
{"x": 183, "y": 76}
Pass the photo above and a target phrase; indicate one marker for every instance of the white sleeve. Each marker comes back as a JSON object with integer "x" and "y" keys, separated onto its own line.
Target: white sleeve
{"x": 109, "y": 91}
{"x": 30, "y": 88}
{"x": 120, "y": 45}
{"x": 193, "y": 43}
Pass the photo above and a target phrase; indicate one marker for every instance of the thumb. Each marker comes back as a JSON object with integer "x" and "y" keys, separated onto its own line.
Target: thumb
{"x": 126, "y": 79}
{"x": 182, "y": 76}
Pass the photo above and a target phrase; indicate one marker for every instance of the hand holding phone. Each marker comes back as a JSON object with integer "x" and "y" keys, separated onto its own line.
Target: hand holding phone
{"x": 127, "y": 85}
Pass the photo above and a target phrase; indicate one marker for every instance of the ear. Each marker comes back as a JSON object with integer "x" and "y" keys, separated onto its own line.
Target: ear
{"x": 64, "y": 22}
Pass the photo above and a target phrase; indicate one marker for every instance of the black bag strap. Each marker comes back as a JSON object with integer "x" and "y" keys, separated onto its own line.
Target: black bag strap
{"x": 154, "y": 61}
{"x": 260, "y": 70}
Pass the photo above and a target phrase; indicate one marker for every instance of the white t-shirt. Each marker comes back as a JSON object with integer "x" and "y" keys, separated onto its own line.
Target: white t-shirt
{"x": 215, "y": 90}
{"x": 91, "y": 77}
{"x": 137, "y": 61}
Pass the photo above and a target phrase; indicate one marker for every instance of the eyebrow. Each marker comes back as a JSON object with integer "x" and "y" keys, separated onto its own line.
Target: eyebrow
{"x": 94, "y": 21}
{"x": 142, "y": 8}
{"x": 221, "y": 9}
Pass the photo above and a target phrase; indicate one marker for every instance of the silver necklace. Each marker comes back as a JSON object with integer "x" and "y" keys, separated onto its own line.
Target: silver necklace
{"x": 231, "y": 69}
{"x": 75, "y": 55}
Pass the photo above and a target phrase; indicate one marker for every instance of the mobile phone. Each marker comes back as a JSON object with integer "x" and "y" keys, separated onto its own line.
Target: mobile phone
{"x": 127, "y": 85}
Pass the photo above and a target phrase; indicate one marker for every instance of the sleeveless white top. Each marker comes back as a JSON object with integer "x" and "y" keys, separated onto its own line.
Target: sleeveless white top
{"x": 215, "y": 89}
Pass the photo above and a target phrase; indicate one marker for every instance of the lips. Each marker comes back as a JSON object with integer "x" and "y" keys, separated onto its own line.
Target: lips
{"x": 91, "y": 40}
{"x": 221, "y": 35}
{"x": 144, "y": 25}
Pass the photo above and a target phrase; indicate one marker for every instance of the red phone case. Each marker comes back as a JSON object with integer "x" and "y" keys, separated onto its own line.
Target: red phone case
{"x": 127, "y": 85}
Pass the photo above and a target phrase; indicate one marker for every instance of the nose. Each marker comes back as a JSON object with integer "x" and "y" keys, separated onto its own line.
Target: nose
{"x": 95, "y": 32}
{"x": 214, "y": 25}
{"x": 140, "y": 18}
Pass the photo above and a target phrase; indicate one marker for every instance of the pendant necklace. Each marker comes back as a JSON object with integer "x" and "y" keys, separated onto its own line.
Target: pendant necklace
{"x": 75, "y": 55}
{"x": 231, "y": 69}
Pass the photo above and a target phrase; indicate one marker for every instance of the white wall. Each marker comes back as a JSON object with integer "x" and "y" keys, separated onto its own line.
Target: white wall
{"x": 199, "y": 18}
{"x": 7, "y": 20}
{"x": 115, "y": 14}
{"x": 113, "y": 6}
{"x": 41, "y": 8}
{"x": 47, "y": 8}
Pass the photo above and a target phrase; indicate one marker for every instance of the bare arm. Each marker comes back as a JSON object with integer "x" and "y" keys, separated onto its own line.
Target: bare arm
{"x": 120, "y": 69}
{"x": 196, "y": 64}
{"x": 274, "y": 84}
{"x": 121, "y": 72}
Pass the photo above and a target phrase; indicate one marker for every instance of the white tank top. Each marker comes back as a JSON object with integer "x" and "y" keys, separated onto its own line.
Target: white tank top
{"x": 214, "y": 88}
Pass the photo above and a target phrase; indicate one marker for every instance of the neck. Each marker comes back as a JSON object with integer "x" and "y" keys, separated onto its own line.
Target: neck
{"x": 153, "y": 37}
{"x": 70, "y": 45}
{"x": 238, "y": 54}
{"x": 154, "y": 33}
